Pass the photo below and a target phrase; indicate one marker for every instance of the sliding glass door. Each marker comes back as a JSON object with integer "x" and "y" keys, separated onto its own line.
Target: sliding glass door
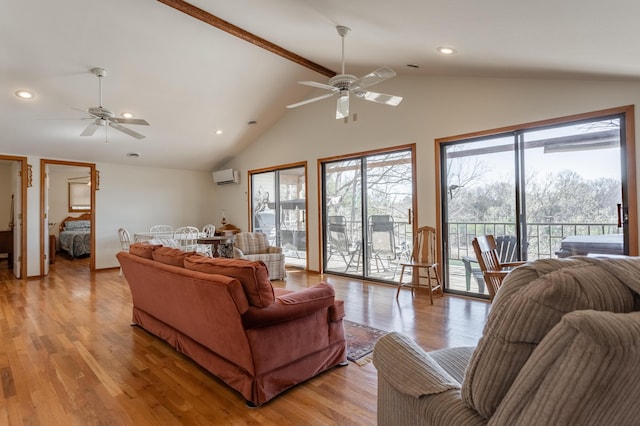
{"x": 278, "y": 206}
{"x": 553, "y": 191}
{"x": 367, "y": 213}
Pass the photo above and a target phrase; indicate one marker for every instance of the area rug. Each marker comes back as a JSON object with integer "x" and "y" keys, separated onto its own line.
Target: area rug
{"x": 360, "y": 341}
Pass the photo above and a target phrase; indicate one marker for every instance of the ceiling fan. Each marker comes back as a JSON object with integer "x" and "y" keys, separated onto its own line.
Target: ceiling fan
{"x": 103, "y": 117}
{"x": 345, "y": 84}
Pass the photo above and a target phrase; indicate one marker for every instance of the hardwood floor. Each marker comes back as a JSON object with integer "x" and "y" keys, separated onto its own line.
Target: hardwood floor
{"x": 69, "y": 356}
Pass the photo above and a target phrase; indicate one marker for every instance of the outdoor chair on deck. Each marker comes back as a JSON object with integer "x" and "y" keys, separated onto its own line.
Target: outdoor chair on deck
{"x": 339, "y": 242}
{"x": 423, "y": 258}
{"x": 382, "y": 240}
{"x": 492, "y": 268}
{"x": 507, "y": 248}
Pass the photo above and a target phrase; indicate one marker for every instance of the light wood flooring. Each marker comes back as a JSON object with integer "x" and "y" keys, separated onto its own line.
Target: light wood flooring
{"x": 68, "y": 355}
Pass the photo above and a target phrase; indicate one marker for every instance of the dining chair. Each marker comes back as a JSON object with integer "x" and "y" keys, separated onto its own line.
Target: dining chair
{"x": 208, "y": 230}
{"x": 423, "y": 258}
{"x": 161, "y": 231}
{"x": 187, "y": 238}
{"x": 125, "y": 242}
{"x": 492, "y": 268}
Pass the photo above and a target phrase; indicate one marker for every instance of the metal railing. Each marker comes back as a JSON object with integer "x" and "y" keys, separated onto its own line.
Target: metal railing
{"x": 542, "y": 239}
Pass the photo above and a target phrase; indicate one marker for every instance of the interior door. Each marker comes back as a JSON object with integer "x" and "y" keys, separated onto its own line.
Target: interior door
{"x": 47, "y": 220}
{"x": 16, "y": 219}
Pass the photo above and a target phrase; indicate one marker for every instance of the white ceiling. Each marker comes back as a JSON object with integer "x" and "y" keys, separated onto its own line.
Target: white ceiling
{"x": 188, "y": 79}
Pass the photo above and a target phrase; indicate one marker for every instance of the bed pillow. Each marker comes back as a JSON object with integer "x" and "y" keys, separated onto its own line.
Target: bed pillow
{"x": 77, "y": 225}
{"x": 171, "y": 256}
{"x": 253, "y": 275}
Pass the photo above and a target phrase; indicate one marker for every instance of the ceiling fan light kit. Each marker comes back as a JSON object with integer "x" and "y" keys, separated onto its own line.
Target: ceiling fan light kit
{"x": 102, "y": 117}
{"x": 346, "y": 84}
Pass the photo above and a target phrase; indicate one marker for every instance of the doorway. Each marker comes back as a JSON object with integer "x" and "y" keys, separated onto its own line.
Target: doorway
{"x": 368, "y": 210}
{"x": 67, "y": 216}
{"x": 556, "y": 189}
{"x": 14, "y": 172}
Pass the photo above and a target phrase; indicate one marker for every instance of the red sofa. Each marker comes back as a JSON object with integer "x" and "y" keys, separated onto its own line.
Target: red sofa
{"x": 226, "y": 316}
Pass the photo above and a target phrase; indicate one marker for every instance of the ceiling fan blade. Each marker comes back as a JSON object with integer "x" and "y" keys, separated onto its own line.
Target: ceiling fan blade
{"x": 125, "y": 130}
{"x": 91, "y": 129}
{"x": 86, "y": 112}
{"x": 342, "y": 107}
{"x": 375, "y": 77}
{"x": 318, "y": 85}
{"x": 139, "y": 121}
{"x": 380, "y": 98}
{"x": 308, "y": 101}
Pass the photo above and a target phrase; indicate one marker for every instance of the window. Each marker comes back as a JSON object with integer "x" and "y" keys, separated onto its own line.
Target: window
{"x": 79, "y": 197}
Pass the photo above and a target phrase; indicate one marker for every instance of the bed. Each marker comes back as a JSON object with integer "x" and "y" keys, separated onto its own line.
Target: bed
{"x": 75, "y": 235}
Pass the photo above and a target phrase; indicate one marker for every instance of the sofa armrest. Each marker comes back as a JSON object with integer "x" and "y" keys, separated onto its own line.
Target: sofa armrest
{"x": 408, "y": 368}
{"x": 273, "y": 249}
{"x": 291, "y": 306}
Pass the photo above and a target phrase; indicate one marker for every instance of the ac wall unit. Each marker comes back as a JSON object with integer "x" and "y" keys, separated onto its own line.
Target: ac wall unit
{"x": 223, "y": 177}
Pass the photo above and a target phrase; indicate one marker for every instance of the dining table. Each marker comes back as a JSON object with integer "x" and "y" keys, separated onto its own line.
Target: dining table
{"x": 221, "y": 245}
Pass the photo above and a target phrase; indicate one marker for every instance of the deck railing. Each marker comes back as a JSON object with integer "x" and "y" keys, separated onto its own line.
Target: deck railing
{"x": 542, "y": 239}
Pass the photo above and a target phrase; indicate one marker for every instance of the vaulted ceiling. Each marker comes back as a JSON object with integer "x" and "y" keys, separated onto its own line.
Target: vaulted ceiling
{"x": 189, "y": 79}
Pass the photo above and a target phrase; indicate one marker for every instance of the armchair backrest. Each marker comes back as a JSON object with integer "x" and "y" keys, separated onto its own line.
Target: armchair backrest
{"x": 251, "y": 242}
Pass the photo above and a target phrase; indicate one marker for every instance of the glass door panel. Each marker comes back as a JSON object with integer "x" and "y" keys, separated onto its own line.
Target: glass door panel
{"x": 279, "y": 210}
{"x": 479, "y": 187}
{"x": 572, "y": 180}
{"x": 342, "y": 200}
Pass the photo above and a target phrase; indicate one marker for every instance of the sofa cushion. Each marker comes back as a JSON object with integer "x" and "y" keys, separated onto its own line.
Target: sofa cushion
{"x": 532, "y": 300}
{"x": 171, "y": 256}
{"x": 143, "y": 249}
{"x": 253, "y": 275}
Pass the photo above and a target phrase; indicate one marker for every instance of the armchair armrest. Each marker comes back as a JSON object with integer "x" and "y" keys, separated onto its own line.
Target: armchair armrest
{"x": 273, "y": 249}
{"x": 237, "y": 253}
{"x": 291, "y": 306}
{"x": 409, "y": 368}
{"x": 512, "y": 264}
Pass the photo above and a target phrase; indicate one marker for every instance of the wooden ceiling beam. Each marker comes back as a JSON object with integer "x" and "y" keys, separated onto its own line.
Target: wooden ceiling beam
{"x": 228, "y": 27}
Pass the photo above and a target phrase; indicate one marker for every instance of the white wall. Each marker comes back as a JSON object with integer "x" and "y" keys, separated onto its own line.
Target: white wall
{"x": 136, "y": 198}
{"x": 131, "y": 197}
{"x": 433, "y": 107}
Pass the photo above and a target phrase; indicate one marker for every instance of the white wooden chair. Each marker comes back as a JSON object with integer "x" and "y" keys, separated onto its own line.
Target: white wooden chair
{"x": 208, "y": 230}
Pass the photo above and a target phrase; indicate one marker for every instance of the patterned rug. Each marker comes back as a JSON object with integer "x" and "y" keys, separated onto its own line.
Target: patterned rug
{"x": 360, "y": 341}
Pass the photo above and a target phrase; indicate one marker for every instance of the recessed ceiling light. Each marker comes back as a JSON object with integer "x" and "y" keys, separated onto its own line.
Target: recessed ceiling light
{"x": 446, "y": 50}
{"x": 218, "y": 132}
{"x": 25, "y": 94}
{"x": 127, "y": 115}
{"x": 415, "y": 66}
{"x": 252, "y": 122}
{"x": 133, "y": 154}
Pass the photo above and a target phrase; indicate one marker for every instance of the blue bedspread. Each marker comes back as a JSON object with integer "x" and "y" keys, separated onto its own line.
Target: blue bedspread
{"x": 76, "y": 243}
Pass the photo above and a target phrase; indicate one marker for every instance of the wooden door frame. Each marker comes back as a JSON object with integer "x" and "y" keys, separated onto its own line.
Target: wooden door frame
{"x": 23, "y": 210}
{"x": 92, "y": 170}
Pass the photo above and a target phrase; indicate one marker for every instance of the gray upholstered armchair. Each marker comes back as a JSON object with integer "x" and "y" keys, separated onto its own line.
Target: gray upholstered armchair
{"x": 254, "y": 246}
{"x": 560, "y": 347}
